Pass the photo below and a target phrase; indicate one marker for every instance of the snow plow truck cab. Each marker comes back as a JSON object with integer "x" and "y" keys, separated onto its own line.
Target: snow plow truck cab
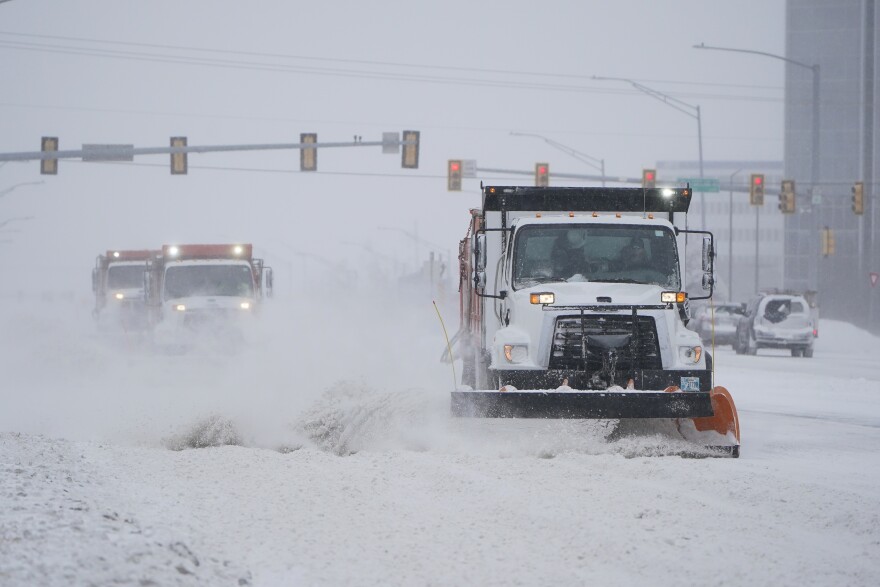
{"x": 118, "y": 285}
{"x": 572, "y": 306}
{"x": 204, "y": 288}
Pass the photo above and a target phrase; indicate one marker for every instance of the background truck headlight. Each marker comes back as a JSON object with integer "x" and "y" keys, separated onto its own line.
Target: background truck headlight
{"x": 516, "y": 353}
{"x": 690, "y": 354}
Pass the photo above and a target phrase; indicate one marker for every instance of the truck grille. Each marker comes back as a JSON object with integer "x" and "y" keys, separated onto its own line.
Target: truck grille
{"x": 572, "y": 334}
{"x": 208, "y": 318}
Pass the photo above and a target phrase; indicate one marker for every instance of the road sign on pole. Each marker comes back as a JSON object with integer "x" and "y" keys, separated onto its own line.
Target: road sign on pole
{"x": 702, "y": 184}
{"x": 390, "y": 143}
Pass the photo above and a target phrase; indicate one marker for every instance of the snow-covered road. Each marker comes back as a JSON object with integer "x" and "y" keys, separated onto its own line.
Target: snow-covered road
{"x": 356, "y": 475}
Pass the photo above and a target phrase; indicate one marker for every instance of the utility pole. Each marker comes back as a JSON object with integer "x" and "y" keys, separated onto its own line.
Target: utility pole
{"x": 814, "y": 155}
{"x": 730, "y": 239}
{"x": 684, "y": 108}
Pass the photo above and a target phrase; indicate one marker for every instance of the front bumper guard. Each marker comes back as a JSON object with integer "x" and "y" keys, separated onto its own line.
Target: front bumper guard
{"x": 581, "y": 405}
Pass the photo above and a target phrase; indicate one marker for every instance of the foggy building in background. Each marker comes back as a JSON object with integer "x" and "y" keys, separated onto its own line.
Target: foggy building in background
{"x": 737, "y": 225}
{"x": 840, "y": 36}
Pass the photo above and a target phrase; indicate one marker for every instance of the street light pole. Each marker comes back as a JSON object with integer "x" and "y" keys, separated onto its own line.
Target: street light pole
{"x": 17, "y": 218}
{"x": 417, "y": 239}
{"x": 582, "y": 157}
{"x": 682, "y": 107}
{"x": 12, "y": 188}
{"x": 730, "y": 239}
{"x": 814, "y": 159}
{"x": 757, "y": 245}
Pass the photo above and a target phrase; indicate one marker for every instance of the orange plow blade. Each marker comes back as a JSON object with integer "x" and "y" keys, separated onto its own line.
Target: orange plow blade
{"x": 724, "y": 419}
{"x": 720, "y": 431}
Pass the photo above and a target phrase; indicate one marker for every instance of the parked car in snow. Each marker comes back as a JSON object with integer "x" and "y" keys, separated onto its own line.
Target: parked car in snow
{"x": 727, "y": 316}
{"x": 776, "y": 321}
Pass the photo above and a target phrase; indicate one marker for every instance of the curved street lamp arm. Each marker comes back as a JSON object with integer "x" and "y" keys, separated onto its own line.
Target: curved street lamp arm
{"x": 764, "y": 53}
{"x": 595, "y": 163}
{"x": 679, "y": 105}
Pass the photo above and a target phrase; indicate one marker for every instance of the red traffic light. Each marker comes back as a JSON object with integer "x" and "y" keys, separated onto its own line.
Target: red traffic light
{"x": 757, "y": 180}
{"x": 649, "y": 175}
{"x": 542, "y": 169}
{"x": 453, "y": 166}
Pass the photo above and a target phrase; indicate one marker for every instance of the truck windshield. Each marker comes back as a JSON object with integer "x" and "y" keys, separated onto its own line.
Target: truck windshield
{"x": 588, "y": 252}
{"x": 208, "y": 280}
{"x": 125, "y": 276}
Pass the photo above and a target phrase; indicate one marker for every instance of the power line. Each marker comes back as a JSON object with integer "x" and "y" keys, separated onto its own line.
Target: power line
{"x": 504, "y": 130}
{"x": 347, "y": 73}
{"x": 365, "y": 61}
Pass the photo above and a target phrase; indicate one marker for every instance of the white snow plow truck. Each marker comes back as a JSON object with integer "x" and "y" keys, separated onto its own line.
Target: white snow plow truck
{"x": 196, "y": 290}
{"x": 118, "y": 284}
{"x": 572, "y": 306}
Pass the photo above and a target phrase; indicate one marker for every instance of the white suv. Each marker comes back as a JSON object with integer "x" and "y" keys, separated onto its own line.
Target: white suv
{"x": 776, "y": 321}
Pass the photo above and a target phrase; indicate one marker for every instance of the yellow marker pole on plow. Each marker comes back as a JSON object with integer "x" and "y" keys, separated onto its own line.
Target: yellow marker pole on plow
{"x": 448, "y": 346}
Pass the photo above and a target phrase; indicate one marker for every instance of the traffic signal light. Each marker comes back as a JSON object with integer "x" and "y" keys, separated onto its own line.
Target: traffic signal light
{"x": 828, "y": 244}
{"x": 179, "y": 164}
{"x": 649, "y": 178}
{"x": 858, "y": 198}
{"x": 542, "y": 174}
{"x": 308, "y": 156}
{"x": 410, "y": 157}
{"x": 756, "y": 189}
{"x": 453, "y": 175}
{"x": 49, "y": 166}
{"x": 786, "y": 197}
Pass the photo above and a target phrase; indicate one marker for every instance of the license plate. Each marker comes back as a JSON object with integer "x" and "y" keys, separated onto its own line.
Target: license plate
{"x": 690, "y": 384}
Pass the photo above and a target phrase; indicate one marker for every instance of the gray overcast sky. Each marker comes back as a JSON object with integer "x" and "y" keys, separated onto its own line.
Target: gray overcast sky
{"x": 466, "y": 74}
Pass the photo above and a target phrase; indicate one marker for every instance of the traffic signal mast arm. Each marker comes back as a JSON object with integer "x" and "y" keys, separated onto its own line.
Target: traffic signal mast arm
{"x": 118, "y": 152}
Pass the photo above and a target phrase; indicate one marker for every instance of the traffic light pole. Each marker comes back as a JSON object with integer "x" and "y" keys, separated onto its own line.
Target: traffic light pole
{"x": 118, "y": 152}
{"x": 730, "y": 238}
{"x": 757, "y": 247}
{"x": 603, "y": 178}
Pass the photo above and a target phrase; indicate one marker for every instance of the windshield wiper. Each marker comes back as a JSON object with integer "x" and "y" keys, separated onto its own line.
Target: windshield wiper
{"x": 617, "y": 280}
{"x": 536, "y": 280}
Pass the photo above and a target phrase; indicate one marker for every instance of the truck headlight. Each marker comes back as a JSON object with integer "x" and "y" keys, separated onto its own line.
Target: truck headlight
{"x": 542, "y": 298}
{"x": 245, "y": 305}
{"x": 690, "y": 354}
{"x": 180, "y": 307}
{"x": 673, "y": 297}
{"x": 516, "y": 353}
{"x": 119, "y": 296}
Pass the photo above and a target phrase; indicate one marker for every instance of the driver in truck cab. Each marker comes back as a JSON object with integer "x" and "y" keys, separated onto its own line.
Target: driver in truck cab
{"x": 632, "y": 255}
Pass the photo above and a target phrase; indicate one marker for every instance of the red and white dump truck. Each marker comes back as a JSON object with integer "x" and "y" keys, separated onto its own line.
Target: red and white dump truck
{"x": 572, "y": 307}
{"x": 118, "y": 283}
{"x": 204, "y": 289}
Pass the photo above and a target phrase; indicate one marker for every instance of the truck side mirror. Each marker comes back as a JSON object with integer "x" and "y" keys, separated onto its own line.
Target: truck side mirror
{"x": 708, "y": 281}
{"x": 480, "y": 252}
{"x": 480, "y": 280}
{"x": 95, "y": 280}
{"x": 148, "y": 283}
{"x": 708, "y": 253}
{"x": 270, "y": 281}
